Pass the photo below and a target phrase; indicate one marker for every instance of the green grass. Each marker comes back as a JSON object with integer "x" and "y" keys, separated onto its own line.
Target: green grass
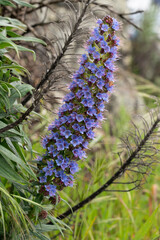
{"x": 112, "y": 215}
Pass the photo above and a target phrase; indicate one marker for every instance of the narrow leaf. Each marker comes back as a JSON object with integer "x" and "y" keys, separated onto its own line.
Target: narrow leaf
{"x": 146, "y": 226}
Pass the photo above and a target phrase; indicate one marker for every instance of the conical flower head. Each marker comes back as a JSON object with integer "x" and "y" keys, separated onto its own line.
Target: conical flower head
{"x": 82, "y": 110}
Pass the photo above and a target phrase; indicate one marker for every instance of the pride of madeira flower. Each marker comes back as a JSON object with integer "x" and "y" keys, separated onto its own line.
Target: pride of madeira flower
{"x": 81, "y": 112}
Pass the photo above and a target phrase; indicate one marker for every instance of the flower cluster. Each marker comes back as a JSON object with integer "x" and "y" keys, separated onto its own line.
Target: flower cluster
{"x": 81, "y": 112}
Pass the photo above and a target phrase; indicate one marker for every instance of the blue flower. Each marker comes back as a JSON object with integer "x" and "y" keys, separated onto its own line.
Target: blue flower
{"x": 60, "y": 144}
{"x": 109, "y": 64}
{"x": 99, "y": 117}
{"x": 115, "y": 25}
{"x": 91, "y": 49}
{"x": 99, "y": 21}
{"x": 92, "y": 79}
{"x": 100, "y": 84}
{"x": 75, "y": 140}
{"x": 96, "y": 55}
{"x": 82, "y": 129}
{"x": 69, "y": 97}
{"x": 52, "y": 150}
{"x": 66, "y": 145}
{"x": 92, "y": 67}
{"x": 81, "y": 70}
{"x": 42, "y": 179}
{"x": 73, "y": 167}
{"x": 76, "y": 126}
{"x": 104, "y": 27}
{"x": 79, "y": 117}
{"x": 90, "y": 134}
{"x": 89, "y": 123}
{"x": 48, "y": 171}
{"x": 87, "y": 94}
{"x": 79, "y": 93}
{"x": 104, "y": 44}
{"x": 83, "y": 59}
{"x": 80, "y": 82}
{"x": 59, "y": 160}
{"x": 101, "y": 106}
{"x": 67, "y": 133}
{"x": 51, "y": 189}
{"x": 39, "y": 159}
{"x": 85, "y": 144}
{"x": 50, "y": 164}
{"x": 109, "y": 88}
{"x": 91, "y": 111}
{"x": 101, "y": 72}
{"x": 65, "y": 163}
{"x": 44, "y": 142}
{"x": 73, "y": 85}
{"x": 90, "y": 102}
{"x": 110, "y": 76}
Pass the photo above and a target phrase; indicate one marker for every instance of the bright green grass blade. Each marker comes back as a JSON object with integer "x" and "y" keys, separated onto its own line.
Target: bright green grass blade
{"x": 3, "y": 221}
{"x": 146, "y": 226}
{"x": 8, "y": 154}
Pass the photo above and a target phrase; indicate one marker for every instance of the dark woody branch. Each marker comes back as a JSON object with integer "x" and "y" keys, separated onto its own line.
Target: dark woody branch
{"x": 118, "y": 173}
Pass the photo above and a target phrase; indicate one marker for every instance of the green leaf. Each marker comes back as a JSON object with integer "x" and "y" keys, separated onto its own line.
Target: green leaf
{"x": 8, "y": 172}
{"x": 19, "y": 91}
{"x": 24, "y": 49}
{"x": 39, "y": 236}
{"x": 8, "y": 154}
{"x": 28, "y": 200}
{"x": 6, "y": 41}
{"x": 14, "y": 66}
{"x": 46, "y": 228}
{"x": 12, "y": 34}
{"x": 28, "y": 39}
{"x": 146, "y": 226}
{"x": 7, "y": 3}
{"x": 22, "y": 3}
{"x": 15, "y": 22}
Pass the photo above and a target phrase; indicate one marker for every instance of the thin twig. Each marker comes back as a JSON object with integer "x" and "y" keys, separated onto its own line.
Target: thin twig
{"x": 59, "y": 57}
{"x": 121, "y": 15}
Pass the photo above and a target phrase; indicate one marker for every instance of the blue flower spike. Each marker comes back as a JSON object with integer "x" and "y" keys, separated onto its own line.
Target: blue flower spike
{"x": 81, "y": 112}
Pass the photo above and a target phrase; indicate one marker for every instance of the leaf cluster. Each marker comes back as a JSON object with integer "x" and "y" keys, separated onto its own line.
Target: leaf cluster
{"x": 20, "y": 205}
